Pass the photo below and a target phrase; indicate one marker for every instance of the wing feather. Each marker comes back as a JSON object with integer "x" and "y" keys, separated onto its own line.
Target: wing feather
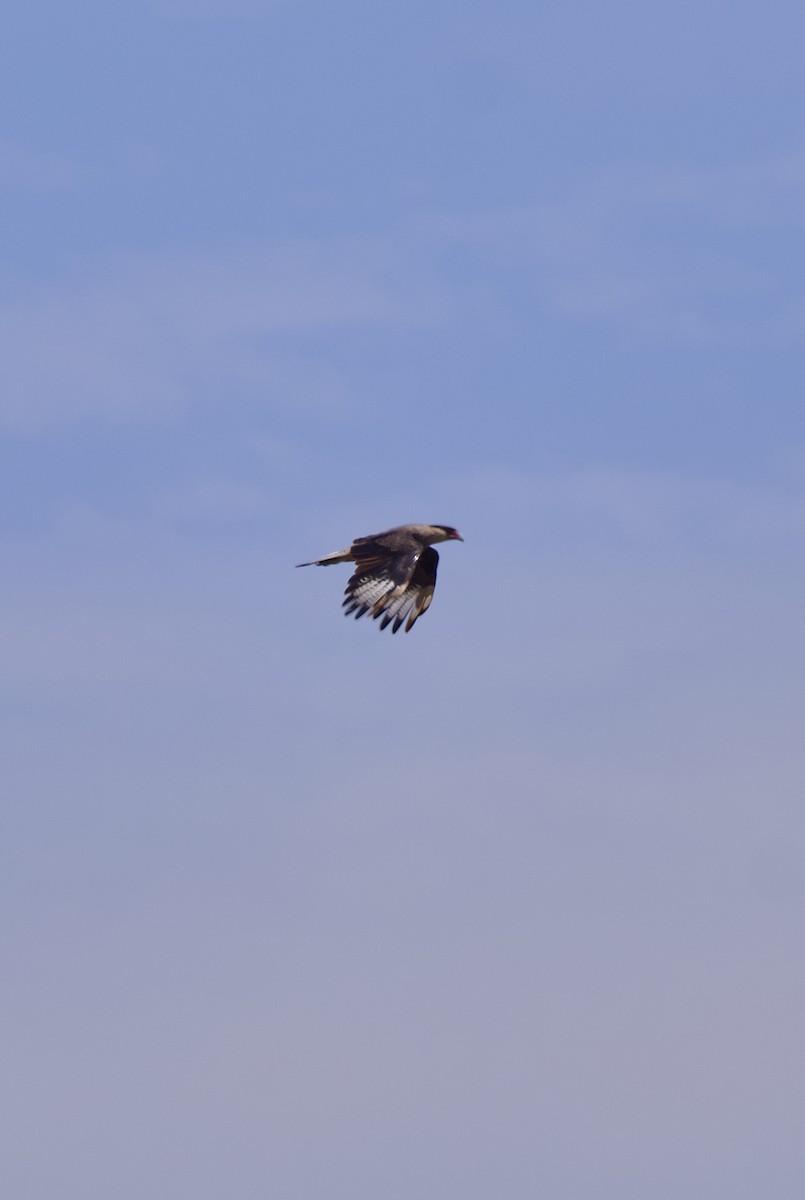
{"x": 397, "y": 587}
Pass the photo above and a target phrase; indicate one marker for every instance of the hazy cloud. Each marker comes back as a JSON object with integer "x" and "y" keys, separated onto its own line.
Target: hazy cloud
{"x": 24, "y": 168}
{"x": 673, "y": 252}
{"x": 139, "y": 338}
{"x": 143, "y": 337}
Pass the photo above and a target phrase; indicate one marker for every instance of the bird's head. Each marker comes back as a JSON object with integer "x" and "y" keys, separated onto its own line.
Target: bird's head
{"x": 443, "y": 533}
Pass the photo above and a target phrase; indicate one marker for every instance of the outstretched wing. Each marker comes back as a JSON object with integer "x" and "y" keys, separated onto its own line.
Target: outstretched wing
{"x": 397, "y": 587}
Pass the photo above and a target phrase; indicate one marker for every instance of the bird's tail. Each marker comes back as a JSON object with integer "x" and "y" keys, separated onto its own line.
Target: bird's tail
{"x": 337, "y": 556}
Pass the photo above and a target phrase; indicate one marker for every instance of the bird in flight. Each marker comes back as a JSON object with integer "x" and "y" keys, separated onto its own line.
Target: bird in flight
{"x": 395, "y": 572}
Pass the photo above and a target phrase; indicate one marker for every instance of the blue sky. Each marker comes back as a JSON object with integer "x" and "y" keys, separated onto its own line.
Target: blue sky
{"x": 510, "y": 906}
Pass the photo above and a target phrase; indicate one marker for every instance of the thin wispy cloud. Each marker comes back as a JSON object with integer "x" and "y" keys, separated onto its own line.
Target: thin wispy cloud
{"x": 214, "y": 10}
{"x": 136, "y": 338}
{"x": 670, "y": 252}
{"x": 21, "y": 167}
{"x": 144, "y": 338}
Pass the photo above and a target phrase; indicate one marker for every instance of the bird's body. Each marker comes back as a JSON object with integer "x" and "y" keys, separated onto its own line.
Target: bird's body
{"x": 395, "y": 572}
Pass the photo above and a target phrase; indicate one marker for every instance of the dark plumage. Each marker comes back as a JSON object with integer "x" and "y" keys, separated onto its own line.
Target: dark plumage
{"x": 395, "y": 573}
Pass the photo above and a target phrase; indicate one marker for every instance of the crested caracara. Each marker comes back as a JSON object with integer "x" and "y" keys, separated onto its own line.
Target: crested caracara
{"x": 395, "y": 572}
